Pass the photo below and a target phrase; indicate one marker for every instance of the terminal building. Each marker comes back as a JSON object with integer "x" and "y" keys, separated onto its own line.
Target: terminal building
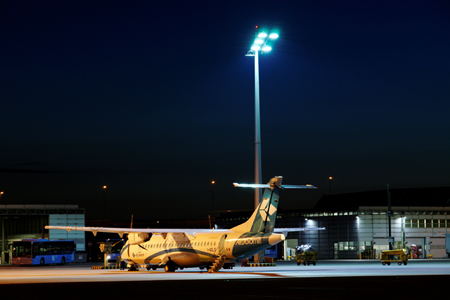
{"x": 19, "y": 222}
{"x": 357, "y": 224}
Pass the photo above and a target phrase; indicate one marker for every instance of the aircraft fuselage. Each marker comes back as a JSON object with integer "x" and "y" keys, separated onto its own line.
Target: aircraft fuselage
{"x": 201, "y": 250}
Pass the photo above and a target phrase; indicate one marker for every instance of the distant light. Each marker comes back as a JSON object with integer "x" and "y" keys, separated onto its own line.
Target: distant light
{"x": 213, "y": 182}
{"x": 104, "y": 187}
{"x": 266, "y": 48}
{"x": 255, "y": 47}
{"x": 262, "y": 35}
{"x": 273, "y": 36}
{"x": 330, "y": 178}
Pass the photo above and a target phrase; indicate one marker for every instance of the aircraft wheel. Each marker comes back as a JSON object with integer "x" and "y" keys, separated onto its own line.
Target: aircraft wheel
{"x": 154, "y": 268}
{"x": 132, "y": 268}
{"x": 400, "y": 263}
{"x": 383, "y": 264}
{"x": 169, "y": 268}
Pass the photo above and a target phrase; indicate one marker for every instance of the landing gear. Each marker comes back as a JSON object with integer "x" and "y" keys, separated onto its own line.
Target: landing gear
{"x": 133, "y": 268}
{"x": 169, "y": 267}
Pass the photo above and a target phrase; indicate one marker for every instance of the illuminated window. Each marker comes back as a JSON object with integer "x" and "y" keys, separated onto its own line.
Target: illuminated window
{"x": 421, "y": 223}
{"x": 436, "y": 223}
{"x": 408, "y": 223}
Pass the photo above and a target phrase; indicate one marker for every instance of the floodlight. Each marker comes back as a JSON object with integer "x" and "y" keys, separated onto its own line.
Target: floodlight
{"x": 259, "y": 41}
{"x": 262, "y": 35}
{"x": 255, "y": 47}
{"x": 273, "y": 35}
{"x": 266, "y": 48}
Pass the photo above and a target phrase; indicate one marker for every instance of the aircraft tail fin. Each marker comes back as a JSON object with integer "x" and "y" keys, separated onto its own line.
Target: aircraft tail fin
{"x": 264, "y": 216}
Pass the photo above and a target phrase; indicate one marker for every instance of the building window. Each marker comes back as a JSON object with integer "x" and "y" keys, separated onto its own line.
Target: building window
{"x": 408, "y": 223}
{"x": 421, "y": 223}
{"x": 435, "y": 223}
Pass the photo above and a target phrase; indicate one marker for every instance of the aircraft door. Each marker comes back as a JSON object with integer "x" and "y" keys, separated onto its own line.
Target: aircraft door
{"x": 221, "y": 248}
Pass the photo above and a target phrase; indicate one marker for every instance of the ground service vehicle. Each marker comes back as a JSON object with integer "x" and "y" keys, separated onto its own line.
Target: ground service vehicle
{"x": 42, "y": 252}
{"x": 394, "y": 256}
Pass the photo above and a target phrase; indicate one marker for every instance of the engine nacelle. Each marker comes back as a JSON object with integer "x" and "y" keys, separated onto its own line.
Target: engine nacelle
{"x": 137, "y": 238}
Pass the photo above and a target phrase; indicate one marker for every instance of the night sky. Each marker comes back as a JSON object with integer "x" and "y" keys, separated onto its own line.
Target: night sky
{"x": 156, "y": 98}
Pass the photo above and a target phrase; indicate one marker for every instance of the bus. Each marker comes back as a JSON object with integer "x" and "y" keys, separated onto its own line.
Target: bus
{"x": 42, "y": 252}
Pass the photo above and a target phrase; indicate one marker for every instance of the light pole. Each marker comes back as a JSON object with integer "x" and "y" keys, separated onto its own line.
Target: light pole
{"x": 212, "y": 201}
{"x": 259, "y": 45}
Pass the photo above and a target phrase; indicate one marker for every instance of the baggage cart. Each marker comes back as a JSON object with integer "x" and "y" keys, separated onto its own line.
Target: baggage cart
{"x": 394, "y": 256}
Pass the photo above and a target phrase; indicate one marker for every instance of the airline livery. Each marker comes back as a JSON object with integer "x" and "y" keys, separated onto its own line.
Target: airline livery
{"x": 210, "y": 248}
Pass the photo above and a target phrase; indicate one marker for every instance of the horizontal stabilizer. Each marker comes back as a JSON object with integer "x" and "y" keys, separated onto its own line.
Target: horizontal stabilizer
{"x": 297, "y": 229}
{"x": 262, "y": 185}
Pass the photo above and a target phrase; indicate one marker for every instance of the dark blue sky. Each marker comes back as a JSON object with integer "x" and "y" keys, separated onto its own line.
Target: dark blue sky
{"x": 156, "y": 99}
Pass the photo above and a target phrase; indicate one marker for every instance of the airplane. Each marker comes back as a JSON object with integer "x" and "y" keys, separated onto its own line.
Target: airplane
{"x": 210, "y": 248}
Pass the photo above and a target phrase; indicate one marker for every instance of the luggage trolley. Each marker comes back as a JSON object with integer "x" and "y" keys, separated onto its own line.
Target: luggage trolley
{"x": 394, "y": 256}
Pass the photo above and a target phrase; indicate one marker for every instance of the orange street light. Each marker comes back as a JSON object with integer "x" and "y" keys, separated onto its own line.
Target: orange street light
{"x": 330, "y": 178}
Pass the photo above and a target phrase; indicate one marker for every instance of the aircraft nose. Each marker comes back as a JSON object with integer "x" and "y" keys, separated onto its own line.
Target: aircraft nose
{"x": 276, "y": 238}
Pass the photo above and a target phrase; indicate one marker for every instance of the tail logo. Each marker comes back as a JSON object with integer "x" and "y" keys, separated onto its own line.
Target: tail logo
{"x": 266, "y": 210}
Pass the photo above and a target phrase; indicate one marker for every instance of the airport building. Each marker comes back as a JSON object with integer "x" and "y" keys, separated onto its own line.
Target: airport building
{"x": 357, "y": 224}
{"x": 19, "y": 222}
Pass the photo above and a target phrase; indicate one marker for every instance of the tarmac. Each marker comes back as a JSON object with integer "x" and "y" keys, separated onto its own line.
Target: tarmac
{"x": 329, "y": 279}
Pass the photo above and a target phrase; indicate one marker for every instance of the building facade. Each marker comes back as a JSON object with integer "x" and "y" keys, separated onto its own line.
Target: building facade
{"x": 357, "y": 224}
{"x": 19, "y": 222}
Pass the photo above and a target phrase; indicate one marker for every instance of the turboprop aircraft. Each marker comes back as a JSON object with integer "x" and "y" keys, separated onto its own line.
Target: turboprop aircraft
{"x": 210, "y": 248}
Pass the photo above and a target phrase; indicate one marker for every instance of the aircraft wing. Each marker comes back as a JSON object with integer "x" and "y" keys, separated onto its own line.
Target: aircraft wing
{"x": 297, "y": 229}
{"x": 122, "y": 231}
